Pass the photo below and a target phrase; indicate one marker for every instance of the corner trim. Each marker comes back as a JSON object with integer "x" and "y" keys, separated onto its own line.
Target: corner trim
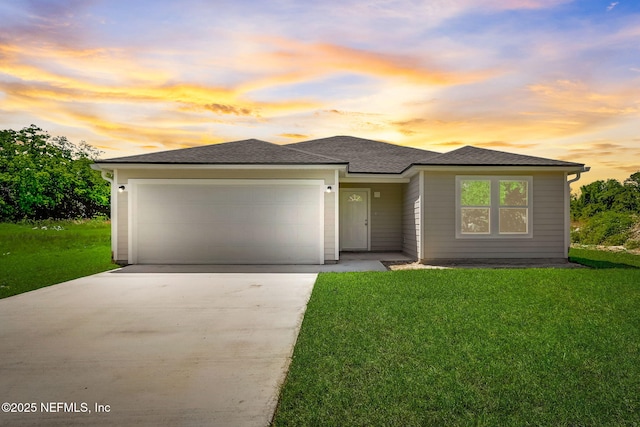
{"x": 421, "y": 236}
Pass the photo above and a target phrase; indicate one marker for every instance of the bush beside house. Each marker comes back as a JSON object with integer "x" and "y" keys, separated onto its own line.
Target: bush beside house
{"x": 45, "y": 177}
{"x": 607, "y": 213}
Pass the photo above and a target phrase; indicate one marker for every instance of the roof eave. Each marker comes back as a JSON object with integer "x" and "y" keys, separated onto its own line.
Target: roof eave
{"x": 500, "y": 168}
{"x": 172, "y": 165}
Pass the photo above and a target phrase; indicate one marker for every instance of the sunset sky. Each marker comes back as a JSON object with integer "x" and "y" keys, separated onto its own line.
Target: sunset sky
{"x": 550, "y": 78}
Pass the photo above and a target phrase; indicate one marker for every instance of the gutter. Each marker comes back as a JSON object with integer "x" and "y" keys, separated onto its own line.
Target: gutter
{"x": 585, "y": 169}
{"x": 103, "y": 172}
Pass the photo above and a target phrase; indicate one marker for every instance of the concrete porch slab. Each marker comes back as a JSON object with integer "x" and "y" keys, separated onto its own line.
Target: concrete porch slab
{"x": 341, "y": 267}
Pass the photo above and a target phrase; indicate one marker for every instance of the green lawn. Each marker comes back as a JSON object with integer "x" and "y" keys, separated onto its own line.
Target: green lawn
{"x": 501, "y": 347}
{"x": 33, "y": 256}
{"x": 604, "y": 259}
{"x": 436, "y": 347}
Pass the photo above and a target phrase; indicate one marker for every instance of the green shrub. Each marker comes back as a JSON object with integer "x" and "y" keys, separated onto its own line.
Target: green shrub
{"x": 44, "y": 177}
{"x": 632, "y": 244}
{"x": 605, "y": 228}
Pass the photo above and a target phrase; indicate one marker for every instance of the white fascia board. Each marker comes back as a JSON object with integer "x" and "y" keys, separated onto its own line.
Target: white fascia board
{"x": 112, "y": 166}
{"x": 490, "y": 169}
{"x": 373, "y": 178}
{"x": 217, "y": 181}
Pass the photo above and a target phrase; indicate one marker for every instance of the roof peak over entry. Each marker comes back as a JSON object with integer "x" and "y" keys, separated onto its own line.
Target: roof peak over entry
{"x": 366, "y": 155}
{"x": 361, "y": 155}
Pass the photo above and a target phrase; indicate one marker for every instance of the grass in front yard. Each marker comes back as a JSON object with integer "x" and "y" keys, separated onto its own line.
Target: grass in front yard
{"x": 604, "y": 259}
{"x": 36, "y": 255}
{"x": 468, "y": 347}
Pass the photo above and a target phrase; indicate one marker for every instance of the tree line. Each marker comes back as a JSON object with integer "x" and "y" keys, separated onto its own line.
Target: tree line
{"x": 608, "y": 212}
{"x": 46, "y": 177}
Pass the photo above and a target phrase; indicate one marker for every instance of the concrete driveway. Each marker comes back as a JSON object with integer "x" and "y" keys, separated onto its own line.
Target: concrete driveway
{"x": 150, "y": 349}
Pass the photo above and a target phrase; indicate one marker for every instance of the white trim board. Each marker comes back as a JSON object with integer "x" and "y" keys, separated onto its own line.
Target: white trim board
{"x": 161, "y": 166}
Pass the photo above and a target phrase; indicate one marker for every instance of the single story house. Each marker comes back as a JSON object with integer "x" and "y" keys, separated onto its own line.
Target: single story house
{"x": 254, "y": 202}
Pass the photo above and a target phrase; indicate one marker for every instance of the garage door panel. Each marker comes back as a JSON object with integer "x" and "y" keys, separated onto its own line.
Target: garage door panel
{"x": 265, "y": 194}
{"x": 228, "y": 224}
{"x": 303, "y": 212}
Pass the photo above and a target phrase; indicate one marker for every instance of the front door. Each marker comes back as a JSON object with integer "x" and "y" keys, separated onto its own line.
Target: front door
{"x": 354, "y": 220}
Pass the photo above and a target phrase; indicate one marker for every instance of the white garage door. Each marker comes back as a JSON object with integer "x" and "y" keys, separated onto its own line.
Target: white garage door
{"x": 226, "y": 222}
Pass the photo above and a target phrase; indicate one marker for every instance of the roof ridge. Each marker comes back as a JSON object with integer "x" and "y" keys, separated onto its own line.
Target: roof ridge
{"x": 361, "y": 139}
{"x": 460, "y": 155}
{"x": 286, "y": 146}
{"x": 311, "y": 153}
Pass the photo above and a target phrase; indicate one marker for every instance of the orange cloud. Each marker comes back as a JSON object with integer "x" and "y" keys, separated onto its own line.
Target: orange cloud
{"x": 304, "y": 61}
{"x": 496, "y": 145}
{"x": 575, "y": 99}
{"x": 104, "y": 65}
{"x": 505, "y": 144}
{"x": 126, "y": 84}
{"x": 547, "y": 111}
{"x": 604, "y": 149}
{"x": 228, "y": 109}
{"x": 294, "y": 135}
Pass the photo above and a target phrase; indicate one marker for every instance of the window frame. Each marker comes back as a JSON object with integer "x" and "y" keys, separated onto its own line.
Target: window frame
{"x": 494, "y": 207}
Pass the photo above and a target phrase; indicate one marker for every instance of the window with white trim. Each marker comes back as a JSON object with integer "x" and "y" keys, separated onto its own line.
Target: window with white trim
{"x": 493, "y": 206}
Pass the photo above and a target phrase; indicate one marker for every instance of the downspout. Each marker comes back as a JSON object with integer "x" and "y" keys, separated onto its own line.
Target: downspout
{"x": 103, "y": 174}
{"x": 578, "y": 174}
{"x": 567, "y": 201}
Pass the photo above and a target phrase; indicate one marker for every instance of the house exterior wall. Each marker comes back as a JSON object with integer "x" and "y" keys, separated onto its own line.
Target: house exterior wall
{"x": 123, "y": 175}
{"x": 547, "y": 209}
{"x": 385, "y": 218}
{"x": 411, "y": 217}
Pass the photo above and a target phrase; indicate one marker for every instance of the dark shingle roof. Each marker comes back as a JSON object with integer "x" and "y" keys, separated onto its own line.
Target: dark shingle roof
{"x": 365, "y": 155}
{"x": 473, "y": 156}
{"x": 250, "y": 151}
{"x": 361, "y": 155}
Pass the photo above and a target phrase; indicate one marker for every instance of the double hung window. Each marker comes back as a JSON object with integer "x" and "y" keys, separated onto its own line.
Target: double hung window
{"x": 493, "y": 206}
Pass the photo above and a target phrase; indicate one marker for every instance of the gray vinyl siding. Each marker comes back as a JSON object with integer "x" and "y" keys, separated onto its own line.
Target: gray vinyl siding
{"x": 124, "y": 175}
{"x": 386, "y": 215}
{"x": 548, "y": 222}
{"x": 411, "y": 217}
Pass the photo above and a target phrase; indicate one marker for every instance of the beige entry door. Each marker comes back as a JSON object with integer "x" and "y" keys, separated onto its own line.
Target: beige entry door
{"x": 354, "y": 219}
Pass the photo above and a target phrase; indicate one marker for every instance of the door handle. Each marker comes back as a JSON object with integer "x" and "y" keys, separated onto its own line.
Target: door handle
{"x": 366, "y": 222}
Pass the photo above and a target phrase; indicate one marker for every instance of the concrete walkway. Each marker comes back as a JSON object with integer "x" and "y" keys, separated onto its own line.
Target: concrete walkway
{"x": 349, "y": 261}
{"x": 342, "y": 267}
{"x": 151, "y": 349}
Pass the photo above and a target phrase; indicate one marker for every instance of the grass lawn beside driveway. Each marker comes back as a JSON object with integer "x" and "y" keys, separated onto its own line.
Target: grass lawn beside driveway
{"x": 604, "y": 259}
{"x": 45, "y": 253}
{"x": 503, "y": 347}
